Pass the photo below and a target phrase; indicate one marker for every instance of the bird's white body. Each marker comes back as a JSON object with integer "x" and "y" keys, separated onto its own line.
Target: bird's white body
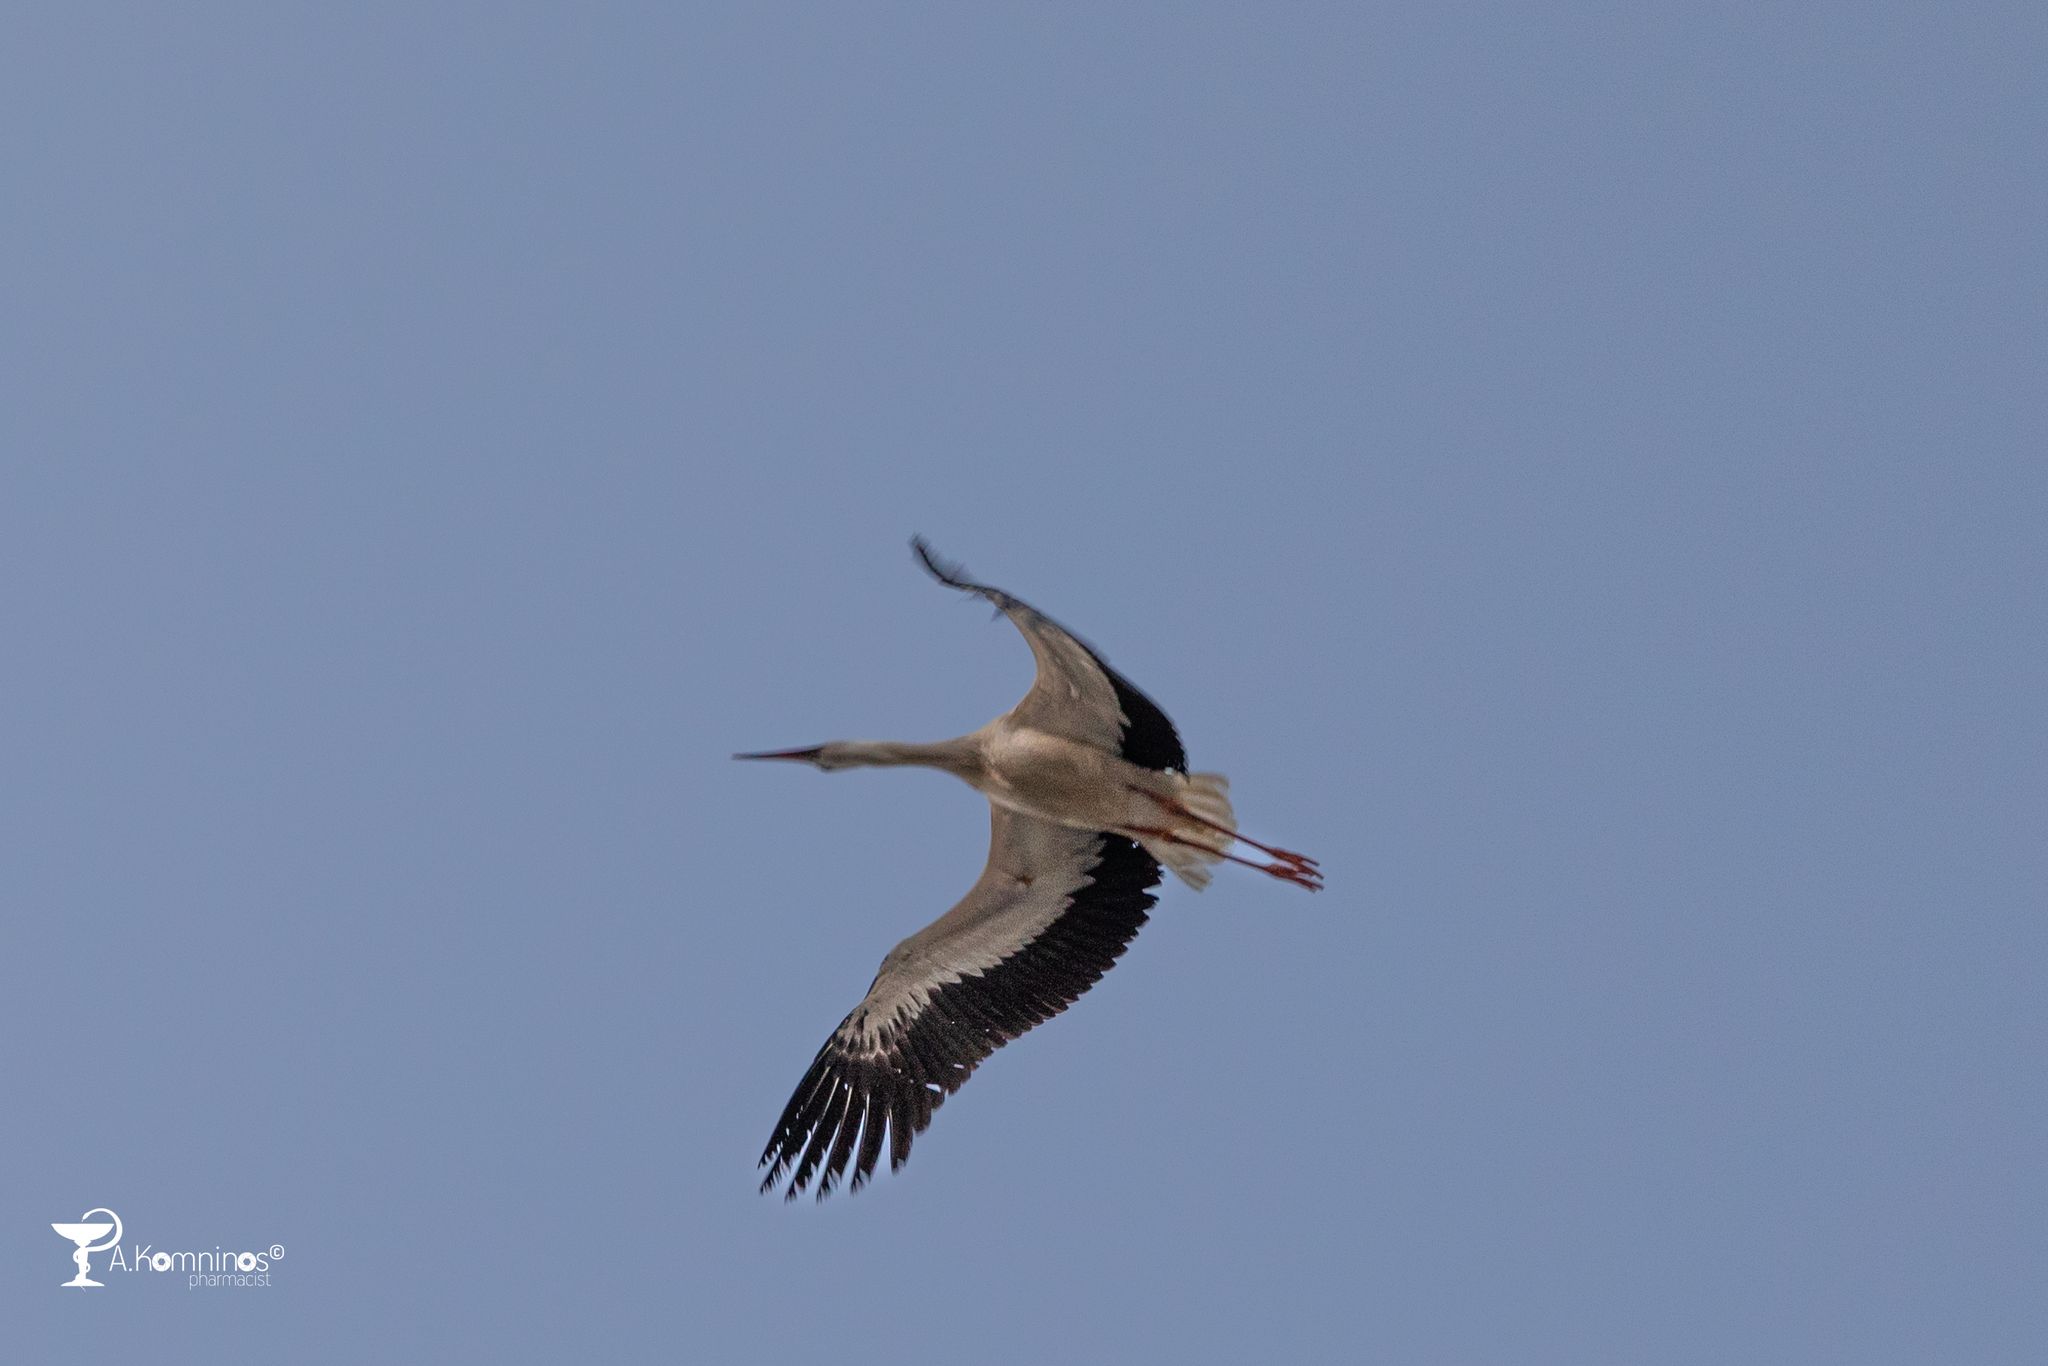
{"x": 1073, "y": 784}
{"x": 1089, "y": 796}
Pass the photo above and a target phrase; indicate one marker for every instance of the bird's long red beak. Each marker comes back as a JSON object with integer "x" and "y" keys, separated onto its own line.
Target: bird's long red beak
{"x": 805, "y": 754}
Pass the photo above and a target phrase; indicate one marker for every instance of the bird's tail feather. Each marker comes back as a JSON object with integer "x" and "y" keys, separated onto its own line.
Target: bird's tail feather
{"x": 1206, "y": 795}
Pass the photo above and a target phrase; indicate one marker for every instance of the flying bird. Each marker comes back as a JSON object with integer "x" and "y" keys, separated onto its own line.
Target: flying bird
{"x": 1089, "y": 795}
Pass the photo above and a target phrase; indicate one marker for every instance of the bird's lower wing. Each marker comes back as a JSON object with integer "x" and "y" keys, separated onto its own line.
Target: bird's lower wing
{"x": 1013, "y": 953}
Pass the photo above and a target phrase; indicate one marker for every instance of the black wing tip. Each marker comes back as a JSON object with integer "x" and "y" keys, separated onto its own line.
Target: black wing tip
{"x": 952, "y": 574}
{"x": 814, "y": 1147}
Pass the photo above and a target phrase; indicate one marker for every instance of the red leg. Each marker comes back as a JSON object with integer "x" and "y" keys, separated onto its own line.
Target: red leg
{"x": 1286, "y": 872}
{"x": 1284, "y": 855}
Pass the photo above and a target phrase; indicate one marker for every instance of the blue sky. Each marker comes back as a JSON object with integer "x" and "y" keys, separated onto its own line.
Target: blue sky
{"x": 1578, "y": 470}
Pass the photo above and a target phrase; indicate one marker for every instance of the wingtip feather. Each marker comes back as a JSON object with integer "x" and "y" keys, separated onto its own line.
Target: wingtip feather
{"x": 945, "y": 571}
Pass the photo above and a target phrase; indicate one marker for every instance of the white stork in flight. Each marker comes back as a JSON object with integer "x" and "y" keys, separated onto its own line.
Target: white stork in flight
{"x": 1089, "y": 794}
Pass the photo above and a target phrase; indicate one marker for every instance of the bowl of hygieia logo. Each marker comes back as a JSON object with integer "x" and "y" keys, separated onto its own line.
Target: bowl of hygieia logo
{"x": 218, "y": 1267}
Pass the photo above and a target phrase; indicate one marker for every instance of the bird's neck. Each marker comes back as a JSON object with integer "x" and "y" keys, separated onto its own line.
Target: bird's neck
{"x": 961, "y": 757}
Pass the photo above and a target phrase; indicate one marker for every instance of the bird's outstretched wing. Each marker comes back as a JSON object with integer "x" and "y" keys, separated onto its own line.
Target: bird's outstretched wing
{"x": 1076, "y": 694}
{"x": 1052, "y": 911}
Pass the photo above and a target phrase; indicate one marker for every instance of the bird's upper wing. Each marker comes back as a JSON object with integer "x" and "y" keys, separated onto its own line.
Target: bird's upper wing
{"x": 1011, "y": 954}
{"x": 1076, "y": 694}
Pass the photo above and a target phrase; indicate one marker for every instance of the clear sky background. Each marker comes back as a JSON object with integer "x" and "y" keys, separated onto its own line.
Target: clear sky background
{"x": 1579, "y": 469}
